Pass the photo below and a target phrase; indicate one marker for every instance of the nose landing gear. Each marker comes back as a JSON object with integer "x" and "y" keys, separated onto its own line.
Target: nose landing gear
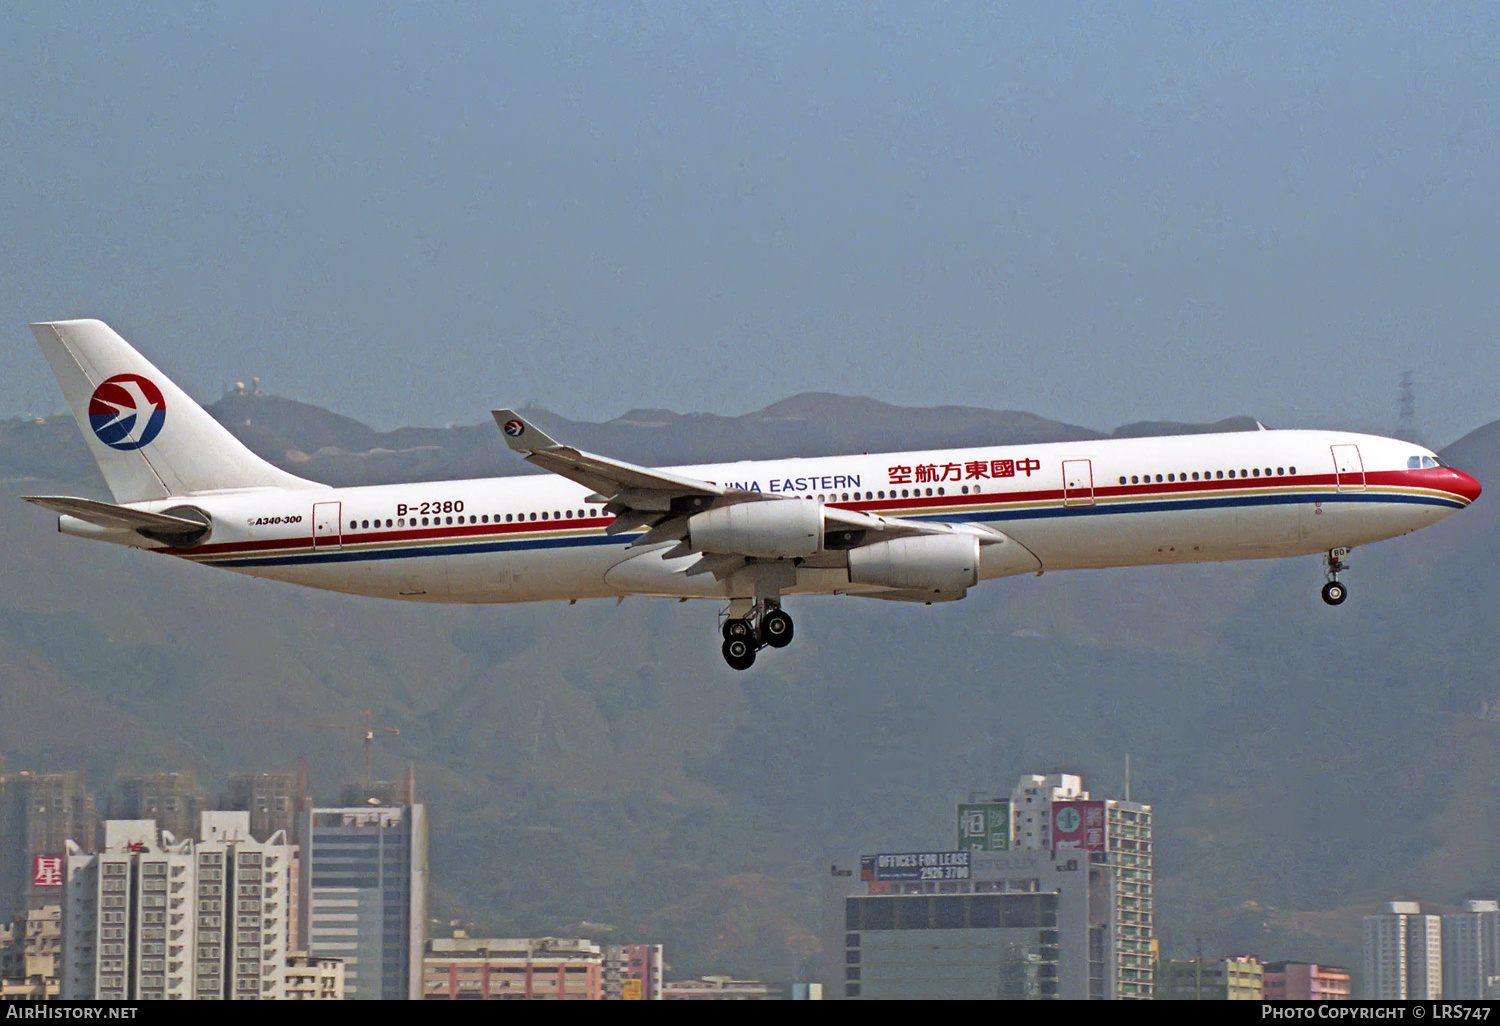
{"x": 767, "y": 624}
{"x": 1334, "y": 593}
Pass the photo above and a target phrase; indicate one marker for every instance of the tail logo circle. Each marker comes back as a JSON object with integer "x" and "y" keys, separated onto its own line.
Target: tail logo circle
{"x": 127, "y": 411}
{"x": 515, "y": 428}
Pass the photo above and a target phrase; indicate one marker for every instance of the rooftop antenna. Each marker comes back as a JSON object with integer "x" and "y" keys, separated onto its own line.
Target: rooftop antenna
{"x": 1406, "y": 420}
{"x": 1127, "y": 776}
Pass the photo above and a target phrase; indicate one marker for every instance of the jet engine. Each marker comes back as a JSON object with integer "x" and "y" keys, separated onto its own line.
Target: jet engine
{"x": 785, "y": 529}
{"x": 945, "y": 564}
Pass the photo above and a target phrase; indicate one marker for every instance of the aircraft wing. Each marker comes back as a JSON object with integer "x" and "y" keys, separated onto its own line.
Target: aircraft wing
{"x": 662, "y": 502}
{"x": 607, "y": 477}
{"x": 117, "y": 518}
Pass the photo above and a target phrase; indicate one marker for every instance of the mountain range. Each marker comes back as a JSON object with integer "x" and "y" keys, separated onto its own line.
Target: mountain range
{"x": 597, "y": 767}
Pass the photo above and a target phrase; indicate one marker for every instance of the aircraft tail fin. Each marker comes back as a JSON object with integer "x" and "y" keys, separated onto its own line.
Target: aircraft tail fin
{"x": 150, "y": 439}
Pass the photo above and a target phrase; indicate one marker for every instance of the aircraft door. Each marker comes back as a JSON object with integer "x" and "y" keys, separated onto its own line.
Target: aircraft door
{"x": 1078, "y": 483}
{"x": 327, "y": 524}
{"x": 1349, "y": 468}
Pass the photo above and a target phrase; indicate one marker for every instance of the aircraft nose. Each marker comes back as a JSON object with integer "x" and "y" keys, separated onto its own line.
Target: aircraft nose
{"x": 1465, "y": 485}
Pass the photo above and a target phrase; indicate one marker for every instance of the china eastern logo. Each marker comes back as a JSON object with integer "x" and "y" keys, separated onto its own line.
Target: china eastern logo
{"x": 515, "y": 428}
{"x": 127, "y": 412}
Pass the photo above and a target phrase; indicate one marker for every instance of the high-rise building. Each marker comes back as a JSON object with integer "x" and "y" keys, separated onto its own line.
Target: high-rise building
{"x": 152, "y": 917}
{"x": 1307, "y": 981}
{"x": 172, "y": 800}
{"x": 39, "y": 814}
{"x": 1240, "y": 978}
{"x": 1055, "y": 813}
{"x": 1066, "y": 910}
{"x": 633, "y": 972}
{"x": 1471, "y": 952}
{"x": 1403, "y": 954}
{"x": 364, "y": 895}
{"x": 270, "y": 799}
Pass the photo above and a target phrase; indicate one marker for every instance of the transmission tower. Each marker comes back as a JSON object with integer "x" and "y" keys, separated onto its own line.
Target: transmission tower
{"x": 1406, "y": 419}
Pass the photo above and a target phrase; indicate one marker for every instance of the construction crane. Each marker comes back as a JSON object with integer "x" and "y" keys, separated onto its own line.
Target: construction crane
{"x": 366, "y": 728}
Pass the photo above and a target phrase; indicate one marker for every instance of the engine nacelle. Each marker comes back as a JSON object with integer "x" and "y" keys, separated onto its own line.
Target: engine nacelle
{"x": 947, "y": 564}
{"x": 777, "y": 529}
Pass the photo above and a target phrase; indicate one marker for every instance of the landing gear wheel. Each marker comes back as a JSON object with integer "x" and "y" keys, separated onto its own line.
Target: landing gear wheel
{"x": 776, "y": 629}
{"x": 736, "y": 628}
{"x": 739, "y": 653}
{"x": 1334, "y": 593}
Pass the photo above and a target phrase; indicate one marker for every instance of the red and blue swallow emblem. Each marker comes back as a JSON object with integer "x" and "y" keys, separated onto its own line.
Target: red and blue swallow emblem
{"x": 127, "y": 411}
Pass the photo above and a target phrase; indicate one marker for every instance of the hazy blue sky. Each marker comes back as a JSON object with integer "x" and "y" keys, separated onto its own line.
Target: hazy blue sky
{"x": 1100, "y": 213}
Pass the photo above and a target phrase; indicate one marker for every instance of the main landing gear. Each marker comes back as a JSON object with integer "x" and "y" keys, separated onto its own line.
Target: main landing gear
{"x": 1334, "y": 593}
{"x": 767, "y": 624}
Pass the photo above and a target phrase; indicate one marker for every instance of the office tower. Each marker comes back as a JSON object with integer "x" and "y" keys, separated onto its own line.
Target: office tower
{"x": 1059, "y": 905}
{"x": 364, "y": 895}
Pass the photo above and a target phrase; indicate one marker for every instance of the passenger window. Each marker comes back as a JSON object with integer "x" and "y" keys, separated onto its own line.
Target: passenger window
{"x": 1291, "y": 470}
{"x": 1280, "y": 471}
{"x": 1158, "y": 478}
{"x": 1231, "y": 473}
{"x": 1256, "y": 472}
{"x": 1122, "y": 478}
{"x": 533, "y": 516}
{"x": 1221, "y": 475}
{"x": 942, "y": 492}
{"x": 1243, "y": 472}
{"x": 424, "y": 521}
{"x": 544, "y": 514}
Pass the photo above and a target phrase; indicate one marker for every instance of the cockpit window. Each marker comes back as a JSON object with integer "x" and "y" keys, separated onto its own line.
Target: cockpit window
{"x": 1414, "y": 463}
{"x": 1423, "y": 462}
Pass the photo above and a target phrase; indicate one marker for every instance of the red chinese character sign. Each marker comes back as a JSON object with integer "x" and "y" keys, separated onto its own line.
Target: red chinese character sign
{"x": 931, "y": 473}
{"x": 1078, "y": 825}
{"x": 46, "y": 871}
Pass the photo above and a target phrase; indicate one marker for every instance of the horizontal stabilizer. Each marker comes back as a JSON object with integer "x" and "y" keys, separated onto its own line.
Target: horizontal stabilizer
{"x": 117, "y": 518}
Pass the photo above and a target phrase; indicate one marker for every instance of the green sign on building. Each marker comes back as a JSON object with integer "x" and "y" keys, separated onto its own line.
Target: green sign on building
{"x": 984, "y": 826}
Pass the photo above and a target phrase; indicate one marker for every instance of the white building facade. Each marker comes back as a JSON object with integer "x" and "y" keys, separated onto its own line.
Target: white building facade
{"x": 1403, "y": 954}
{"x": 155, "y": 918}
{"x": 1471, "y": 952}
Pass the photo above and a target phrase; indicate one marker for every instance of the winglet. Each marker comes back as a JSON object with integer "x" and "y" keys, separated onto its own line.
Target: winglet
{"x": 520, "y": 434}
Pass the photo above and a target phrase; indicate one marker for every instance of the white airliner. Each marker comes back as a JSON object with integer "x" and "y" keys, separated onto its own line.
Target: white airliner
{"x": 911, "y": 526}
